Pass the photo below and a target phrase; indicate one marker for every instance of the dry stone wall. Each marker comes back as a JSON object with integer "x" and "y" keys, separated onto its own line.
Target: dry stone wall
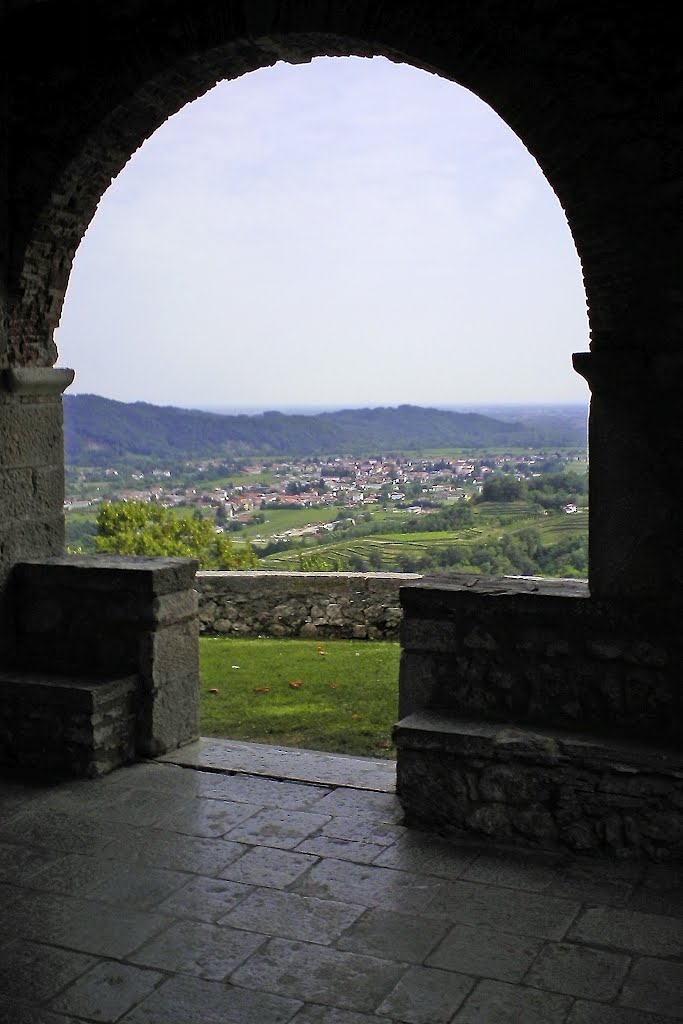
{"x": 359, "y": 606}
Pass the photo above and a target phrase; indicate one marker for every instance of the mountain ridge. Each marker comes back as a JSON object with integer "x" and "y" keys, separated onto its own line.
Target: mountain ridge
{"x": 97, "y": 430}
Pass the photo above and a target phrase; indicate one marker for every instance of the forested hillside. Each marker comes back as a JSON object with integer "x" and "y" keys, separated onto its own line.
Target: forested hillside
{"x": 99, "y": 431}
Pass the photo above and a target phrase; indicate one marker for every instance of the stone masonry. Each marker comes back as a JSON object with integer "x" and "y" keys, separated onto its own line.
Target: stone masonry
{"x": 536, "y": 715}
{"x": 86, "y": 625}
{"x": 594, "y": 92}
{"x": 301, "y": 604}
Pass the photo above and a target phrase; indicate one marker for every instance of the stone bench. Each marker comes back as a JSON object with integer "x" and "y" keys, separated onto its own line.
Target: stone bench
{"x": 60, "y": 726}
{"x": 540, "y": 787}
{"x": 100, "y": 639}
{"x": 533, "y": 714}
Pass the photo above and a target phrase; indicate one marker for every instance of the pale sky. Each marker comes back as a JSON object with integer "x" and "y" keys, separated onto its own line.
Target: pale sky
{"x": 344, "y": 233}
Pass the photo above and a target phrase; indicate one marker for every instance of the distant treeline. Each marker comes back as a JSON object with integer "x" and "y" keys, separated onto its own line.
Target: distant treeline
{"x": 99, "y": 431}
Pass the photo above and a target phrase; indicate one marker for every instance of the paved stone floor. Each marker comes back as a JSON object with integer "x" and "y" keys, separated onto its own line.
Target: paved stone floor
{"x": 172, "y": 895}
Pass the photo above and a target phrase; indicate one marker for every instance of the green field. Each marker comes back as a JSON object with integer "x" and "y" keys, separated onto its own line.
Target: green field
{"x": 242, "y": 480}
{"x": 392, "y": 551}
{"x": 280, "y": 519}
{"x": 339, "y": 696}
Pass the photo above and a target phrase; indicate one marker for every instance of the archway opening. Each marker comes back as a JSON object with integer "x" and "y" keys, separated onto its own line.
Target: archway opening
{"x": 272, "y": 256}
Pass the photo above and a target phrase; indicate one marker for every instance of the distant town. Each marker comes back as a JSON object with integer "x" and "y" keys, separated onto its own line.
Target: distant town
{"x": 503, "y": 505}
{"x": 342, "y": 481}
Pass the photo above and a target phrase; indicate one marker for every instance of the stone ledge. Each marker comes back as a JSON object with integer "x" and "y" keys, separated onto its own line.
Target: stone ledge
{"x": 429, "y": 730}
{"x": 316, "y": 767}
{"x": 77, "y": 692}
{"x": 498, "y": 586}
{"x": 544, "y": 788}
{"x": 65, "y": 727}
{"x": 119, "y": 573}
{"x": 257, "y": 574}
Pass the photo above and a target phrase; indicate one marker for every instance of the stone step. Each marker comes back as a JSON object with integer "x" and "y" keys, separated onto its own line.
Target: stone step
{"x": 292, "y": 763}
{"x": 546, "y": 788}
{"x": 61, "y": 726}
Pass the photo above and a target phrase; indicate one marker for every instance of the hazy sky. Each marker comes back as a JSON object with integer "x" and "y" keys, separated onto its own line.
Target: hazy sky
{"x": 343, "y": 233}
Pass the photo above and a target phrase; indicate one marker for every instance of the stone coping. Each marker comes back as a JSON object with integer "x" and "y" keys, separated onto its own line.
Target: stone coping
{"x": 62, "y": 690}
{"x": 499, "y": 586}
{"x": 409, "y": 577}
{"x": 110, "y": 572}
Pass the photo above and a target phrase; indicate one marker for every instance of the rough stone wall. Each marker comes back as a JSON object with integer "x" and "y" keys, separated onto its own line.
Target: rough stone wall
{"x": 4, "y": 206}
{"x": 31, "y": 476}
{"x": 541, "y": 652}
{"x": 301, "y": 604}
{"x": 545, "y": 789}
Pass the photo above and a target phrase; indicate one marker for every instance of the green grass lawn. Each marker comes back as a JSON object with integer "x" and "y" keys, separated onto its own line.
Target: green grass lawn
{"x": 339, "y": 696}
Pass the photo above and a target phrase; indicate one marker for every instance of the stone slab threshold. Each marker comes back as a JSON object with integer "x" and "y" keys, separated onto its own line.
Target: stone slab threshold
{"x": 290, "y": 763}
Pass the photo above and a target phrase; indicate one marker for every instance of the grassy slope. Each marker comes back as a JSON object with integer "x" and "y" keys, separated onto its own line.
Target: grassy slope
{"x": 346, "y": 700}
{"x": 391, "y": 546}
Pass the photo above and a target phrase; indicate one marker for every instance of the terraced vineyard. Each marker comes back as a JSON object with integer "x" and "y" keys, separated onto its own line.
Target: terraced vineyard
{"x": 559, "y": 527}
{"x": 509, "y": 532}
{"x": 390, "y": 548}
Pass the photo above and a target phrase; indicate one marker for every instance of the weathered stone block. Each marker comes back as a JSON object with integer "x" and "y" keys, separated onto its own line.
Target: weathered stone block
{"x": 116, "y": 574}
{"x": 178, "y": 607}
{"x": 169, "y": 682}
{"x": 512, "y": 785}
{"x": 56, "y": 726}
{"x": 98, "y": 616}
{"x": 31, "y": 434}
{"x": 492, "y": 820}
{"x": 29, "y": 538}
{"x": 541, "y": 652}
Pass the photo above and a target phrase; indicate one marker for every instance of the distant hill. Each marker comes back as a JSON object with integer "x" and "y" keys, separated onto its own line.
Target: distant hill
{"x": 100, "y": 430}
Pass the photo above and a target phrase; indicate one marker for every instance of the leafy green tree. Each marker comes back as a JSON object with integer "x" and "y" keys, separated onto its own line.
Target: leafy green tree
{"x": 502, "y": 488}
{"x": 139, "y": 528}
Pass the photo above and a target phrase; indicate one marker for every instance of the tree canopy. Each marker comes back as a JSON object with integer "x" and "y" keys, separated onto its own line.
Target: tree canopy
{"x": 142, "y": 528}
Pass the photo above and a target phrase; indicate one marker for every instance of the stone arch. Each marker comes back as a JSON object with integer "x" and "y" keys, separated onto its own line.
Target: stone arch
{"x": 593, "y": 95}
{"x": 66, "y": 182}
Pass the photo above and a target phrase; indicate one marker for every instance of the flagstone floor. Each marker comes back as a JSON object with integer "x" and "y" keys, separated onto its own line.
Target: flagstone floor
{"x": 164, "y": 894}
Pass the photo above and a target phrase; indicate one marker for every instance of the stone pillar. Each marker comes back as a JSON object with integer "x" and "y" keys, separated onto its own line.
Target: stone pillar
{"x": 31, "y": 474}
{"x": 112, "y": 615}
{"x": 635, "y": 441}
{"x": 4, "y": 215}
